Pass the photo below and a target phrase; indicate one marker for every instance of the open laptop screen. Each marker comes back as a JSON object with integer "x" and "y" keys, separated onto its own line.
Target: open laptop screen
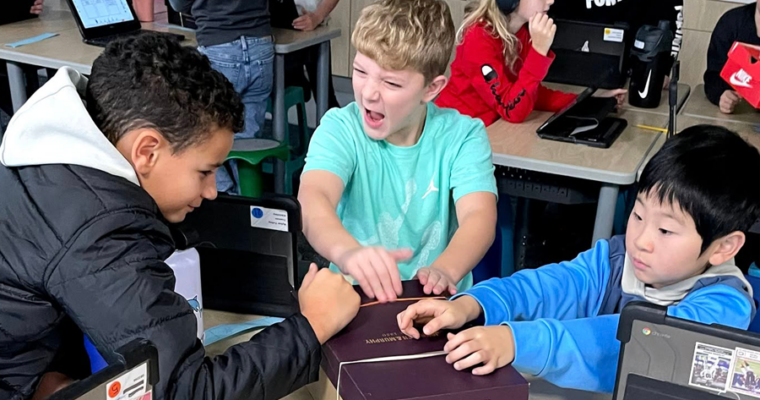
{"x": 663, "y": 357}
{"x": 96, "y": 13}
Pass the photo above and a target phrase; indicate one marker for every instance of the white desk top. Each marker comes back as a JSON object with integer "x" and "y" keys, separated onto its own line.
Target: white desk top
{"x": 518, "y": 145}
{"x": 699, "y": 106}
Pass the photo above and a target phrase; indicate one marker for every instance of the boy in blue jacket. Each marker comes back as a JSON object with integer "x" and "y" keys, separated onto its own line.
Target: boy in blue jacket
{"x": 696, "y": 201}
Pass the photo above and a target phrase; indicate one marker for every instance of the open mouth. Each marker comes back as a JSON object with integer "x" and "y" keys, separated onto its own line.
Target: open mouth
{"x": 374, "y": 119}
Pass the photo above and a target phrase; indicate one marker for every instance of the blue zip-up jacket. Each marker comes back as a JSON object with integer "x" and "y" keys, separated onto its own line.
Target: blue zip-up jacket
{"x": 564, "y": 317}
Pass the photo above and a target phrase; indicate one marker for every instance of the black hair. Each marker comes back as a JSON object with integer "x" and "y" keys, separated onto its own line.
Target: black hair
{"x": 150, "y": 81}
{"x": 713, "y": 175}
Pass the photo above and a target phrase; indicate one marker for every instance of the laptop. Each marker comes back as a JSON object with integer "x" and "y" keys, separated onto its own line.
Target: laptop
{"x": 16, "y": 10}
{"x": 668, "y": 358}
{"x": 584, "y": 121}
{"x": 248, "y": 255}
{"x": 131, "y": 377}
{"x": 589, "y": 54}
{"x": 282, "y": 13}
{"x": 102, "y": 21}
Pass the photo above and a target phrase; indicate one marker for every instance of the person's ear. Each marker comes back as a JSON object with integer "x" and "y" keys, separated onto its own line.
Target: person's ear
{"x": 726, "y": 247}
{"x": 146, "y": 150}
{"x": 434, "y": 88}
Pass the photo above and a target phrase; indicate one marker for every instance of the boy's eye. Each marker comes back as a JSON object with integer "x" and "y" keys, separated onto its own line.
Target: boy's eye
{"x": 394, "y": 85}
{"x": 358, "y": 70}
{"x": 637, "y": 216}
{"x": 206, "y": 173}
{"x": 665, "y": 232}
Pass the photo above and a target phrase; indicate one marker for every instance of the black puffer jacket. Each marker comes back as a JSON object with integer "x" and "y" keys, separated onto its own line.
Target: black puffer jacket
{"x": 82, "y": 250}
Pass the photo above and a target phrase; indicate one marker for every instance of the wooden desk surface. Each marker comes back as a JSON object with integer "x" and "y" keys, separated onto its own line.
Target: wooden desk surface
{"x": 289, "y": 40}
{"x": 66, "y": 49}
{"x": 518, "y": 145}
{"x": 699, "y": 106}
{"x": 49, "y": 21}
{"x": 746, "y": 131}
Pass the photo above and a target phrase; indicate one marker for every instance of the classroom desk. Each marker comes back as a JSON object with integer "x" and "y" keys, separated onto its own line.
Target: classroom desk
{"x": 66, "y": 49}
{"x": 746, "y": 131}
{"x": 699, "y": 106}
{"x": 289, "y": 41}
{"x": 324, "y": 389}
{"x": 518, "y": 146}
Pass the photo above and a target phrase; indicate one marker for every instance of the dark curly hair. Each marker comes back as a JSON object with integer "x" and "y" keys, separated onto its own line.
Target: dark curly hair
{"x": 150, "y": 81}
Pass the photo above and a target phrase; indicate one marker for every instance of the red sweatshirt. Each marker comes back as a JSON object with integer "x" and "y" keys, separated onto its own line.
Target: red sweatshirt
{"x": 501, "y": 93}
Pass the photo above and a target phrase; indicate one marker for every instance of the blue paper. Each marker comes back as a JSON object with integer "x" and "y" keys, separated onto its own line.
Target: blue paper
{"x": 31, "y": 40}
{"x": 225, "y": 331}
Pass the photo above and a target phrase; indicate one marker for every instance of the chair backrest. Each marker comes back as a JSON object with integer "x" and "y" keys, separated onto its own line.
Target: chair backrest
{"x": 132, "y": 376}
{"x": 248, "y": 253}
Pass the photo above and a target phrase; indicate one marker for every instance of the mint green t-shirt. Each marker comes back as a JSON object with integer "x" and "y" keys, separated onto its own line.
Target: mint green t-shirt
{"x": 404, "y": 197}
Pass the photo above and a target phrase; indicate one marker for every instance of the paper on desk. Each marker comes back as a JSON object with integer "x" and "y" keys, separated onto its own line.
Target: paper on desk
{"x": 225, "y": 331}
{"x": 31, "y": 40}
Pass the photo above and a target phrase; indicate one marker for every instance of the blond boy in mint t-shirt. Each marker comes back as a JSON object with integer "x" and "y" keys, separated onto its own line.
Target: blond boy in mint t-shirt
{"x": 395, "y": 187}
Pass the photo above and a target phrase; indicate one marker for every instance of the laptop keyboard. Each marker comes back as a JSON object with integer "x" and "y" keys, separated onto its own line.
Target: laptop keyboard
{"x": 104, "y": 40}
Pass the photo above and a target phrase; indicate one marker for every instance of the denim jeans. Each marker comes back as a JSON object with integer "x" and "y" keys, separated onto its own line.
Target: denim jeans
{"x": 248, "y": 64}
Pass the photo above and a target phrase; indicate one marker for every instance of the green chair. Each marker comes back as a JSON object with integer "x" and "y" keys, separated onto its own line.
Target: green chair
{"x": 294, "y": 97}
{"x": 250, "y": 153}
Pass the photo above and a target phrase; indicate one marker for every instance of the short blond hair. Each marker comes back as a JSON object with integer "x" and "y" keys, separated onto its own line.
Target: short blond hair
{"x": 400, "y": 34}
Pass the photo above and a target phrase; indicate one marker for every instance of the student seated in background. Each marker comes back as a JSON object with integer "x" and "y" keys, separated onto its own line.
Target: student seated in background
{"x": 395, "y": 187}
{"x": 92, "y": 171}
{"x": 739, "y": 24}
{"x": 308, "y": 58}
{"x": 236, "y": 36}
{"x": 695, "y": 204}
{"x": 501, "y": 58}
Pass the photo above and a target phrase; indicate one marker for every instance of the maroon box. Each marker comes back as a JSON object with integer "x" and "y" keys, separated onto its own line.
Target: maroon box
{"x": 374, "y": 333}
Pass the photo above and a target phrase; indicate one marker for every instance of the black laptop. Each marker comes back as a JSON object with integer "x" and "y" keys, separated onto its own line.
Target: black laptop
{"x": 16, "y": 10}
{"x": 668, "y": 358}
{"x": 589, "y": 54}
{"x": 102, "y": 21}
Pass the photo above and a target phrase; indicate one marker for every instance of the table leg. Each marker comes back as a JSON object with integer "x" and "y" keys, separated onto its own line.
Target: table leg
{"x": 605, "y": 212}
{"x": 323, "y": 77}
{"x": 17, "y": 84}
{"x": 279, "y": 117}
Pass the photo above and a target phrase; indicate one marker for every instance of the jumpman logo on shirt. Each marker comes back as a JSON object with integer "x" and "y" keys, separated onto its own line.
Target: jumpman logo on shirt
{"x": 431, "y": 188}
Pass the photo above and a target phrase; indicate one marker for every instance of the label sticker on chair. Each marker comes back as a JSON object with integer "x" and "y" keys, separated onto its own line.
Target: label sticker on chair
{"x": 613, "y": 35}
{"x": 130, "y": 386}
{"x": 269, "y": 218}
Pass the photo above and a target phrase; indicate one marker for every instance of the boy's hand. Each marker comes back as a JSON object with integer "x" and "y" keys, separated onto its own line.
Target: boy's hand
{"x": 436, "y": 281}
{"x": 37, "y": 7}
{"x": 492, "y": 346}
{"x": 375, "y": 269}
{"x": 307, "y": 21}
{"x": 618, "y": 94}
{"x": 542, "y": 30}
{"x": 328, "y": 301}
{"x": 445, "y": 315}
{"x": 728, "y": 101}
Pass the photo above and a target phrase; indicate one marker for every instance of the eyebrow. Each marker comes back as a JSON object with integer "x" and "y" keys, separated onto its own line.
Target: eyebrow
{"x": 215, "y": 165}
